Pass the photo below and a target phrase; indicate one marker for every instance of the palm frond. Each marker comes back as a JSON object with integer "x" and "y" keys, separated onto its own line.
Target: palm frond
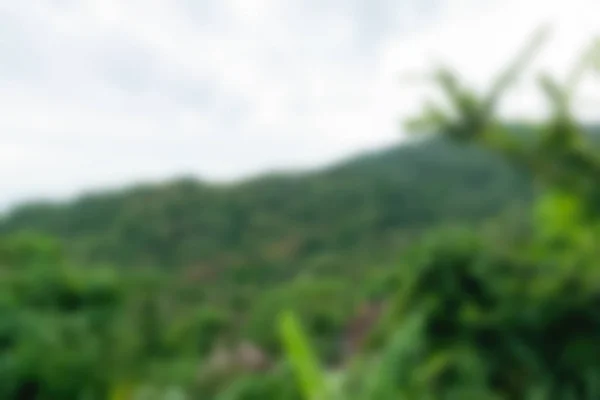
{"x": 510, "y": 74}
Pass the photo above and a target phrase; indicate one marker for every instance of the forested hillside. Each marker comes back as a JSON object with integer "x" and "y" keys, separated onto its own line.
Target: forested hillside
{"x": 371, "y": 201}
{"x": 226, "y": 260}
{"x": 460, "y": 266}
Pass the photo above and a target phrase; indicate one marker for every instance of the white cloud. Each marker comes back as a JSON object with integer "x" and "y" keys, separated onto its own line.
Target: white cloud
{"x": 104, "y": 92}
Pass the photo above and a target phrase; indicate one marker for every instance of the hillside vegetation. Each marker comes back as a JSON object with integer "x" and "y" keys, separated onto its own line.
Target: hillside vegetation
{"x": 381, "y": 199}
{"x": 460, "y": 266}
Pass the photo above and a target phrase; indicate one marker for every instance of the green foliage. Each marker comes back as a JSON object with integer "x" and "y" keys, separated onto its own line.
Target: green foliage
{"x": 486, "y": 272}
{"x": 27, "y": 248}
{"x": 58, "y": 333}
{"x": 278, "y": 384}
{"x": 475, "y": 318}
{"x": 323, "y": 306}
{"x": 199, "y": 332}
{"x": 305, "y": 364}
{"x": 267, "y": 229}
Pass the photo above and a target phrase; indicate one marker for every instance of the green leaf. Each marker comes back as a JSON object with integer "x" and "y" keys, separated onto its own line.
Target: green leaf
{"x": 558, "y": 213}
{"x": 122, "y": 392}
{"x": 558, "y": 97}
{"x": 301, "y": 357}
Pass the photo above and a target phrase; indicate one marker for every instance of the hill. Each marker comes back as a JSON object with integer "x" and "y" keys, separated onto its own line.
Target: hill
{"x": 365, "y": 204}
{"x": 228, "y": 254}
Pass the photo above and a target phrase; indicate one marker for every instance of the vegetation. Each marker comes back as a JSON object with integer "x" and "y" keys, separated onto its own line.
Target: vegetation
{"x": 516, "y": 319}
{"x": 282, "y": 219}
{"x": 459, "y": 266}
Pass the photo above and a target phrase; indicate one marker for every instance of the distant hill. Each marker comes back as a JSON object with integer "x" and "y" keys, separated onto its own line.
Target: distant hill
{"x": 366, "y": 202}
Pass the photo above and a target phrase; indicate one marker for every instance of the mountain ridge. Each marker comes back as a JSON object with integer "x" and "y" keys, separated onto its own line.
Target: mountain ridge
{"x": 280, "y": 217}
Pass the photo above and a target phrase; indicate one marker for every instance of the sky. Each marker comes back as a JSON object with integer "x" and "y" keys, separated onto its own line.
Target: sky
{"x": 103, "y": 93}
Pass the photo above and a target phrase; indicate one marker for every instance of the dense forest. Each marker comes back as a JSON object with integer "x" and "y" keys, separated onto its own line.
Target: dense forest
{"x": 391, "y": 195}
{"x": 462, "y": 264}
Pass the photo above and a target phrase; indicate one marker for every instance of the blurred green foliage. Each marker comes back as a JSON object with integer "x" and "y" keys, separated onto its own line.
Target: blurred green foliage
{"x": 462, "y": 266}
{"x": 488, "y": 319}
{"x": 284, "y": 220}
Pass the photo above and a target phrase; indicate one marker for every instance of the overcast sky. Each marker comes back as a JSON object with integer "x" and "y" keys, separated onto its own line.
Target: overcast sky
{"x": 98, "y": 93}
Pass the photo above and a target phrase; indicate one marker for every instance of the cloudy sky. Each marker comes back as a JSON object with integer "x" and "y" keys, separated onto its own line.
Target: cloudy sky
{"x": 99, "y": 93}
